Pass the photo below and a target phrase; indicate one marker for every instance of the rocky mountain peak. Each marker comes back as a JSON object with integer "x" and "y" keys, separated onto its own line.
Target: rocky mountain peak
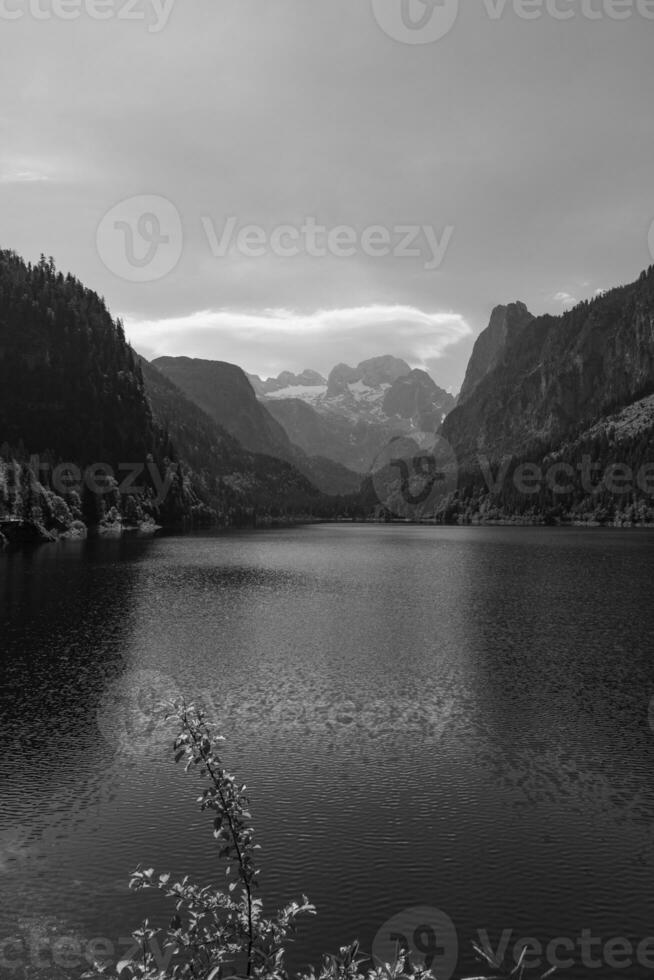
{"x": 555, "y": 375}
{"x": 417, "y": 396}
{"x": 373, "y": 373}
{"x": 307, "y": 379}
{"x": 339, "y": 378}
{"x": 382, "y": 370}
{"x": 505, "y": 323}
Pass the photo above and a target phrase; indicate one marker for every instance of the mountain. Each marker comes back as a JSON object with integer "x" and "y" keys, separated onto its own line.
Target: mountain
{"x": 357, "y": 411}
{"x": 570, "y": 402}
{"x": 225, "y": 394}
{"x": 286, "y": 379}
{"x": 558, "y": 374}
{"x": 373, "y": 373}
{"x": 80, "y": 446}
{"x": 93, "y": 436}
{"x": 314, "y": 432}
{"x": 505, "y": 323}
{"x": 235, "y": 480}
{"x": 69, "y": 381}
{"x": 416, "y": 398}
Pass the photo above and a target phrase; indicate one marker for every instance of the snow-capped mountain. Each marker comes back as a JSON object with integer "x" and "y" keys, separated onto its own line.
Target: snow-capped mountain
{"x": 351, "y": 415}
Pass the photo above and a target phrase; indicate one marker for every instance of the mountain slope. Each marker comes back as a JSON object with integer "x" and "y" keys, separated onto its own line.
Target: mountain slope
{"x": 231, "y": 477}
{"x": 560, "y": 374}
{"x": 418, "y": 399}
{"x": 352, "y": 416}
{"x": 505, "y": 323}
{"x": 69, "y": 382}
{"x": 73, "y": 392}
{"x": 224, "y": 393}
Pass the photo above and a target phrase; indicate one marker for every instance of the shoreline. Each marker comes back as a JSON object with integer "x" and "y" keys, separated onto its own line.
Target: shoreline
{"x": 19, "y": 533}
{"x": 28, "y": 534}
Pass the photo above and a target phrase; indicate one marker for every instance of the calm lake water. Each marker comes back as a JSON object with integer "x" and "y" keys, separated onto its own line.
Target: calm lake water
{"x": 443, "y": 717}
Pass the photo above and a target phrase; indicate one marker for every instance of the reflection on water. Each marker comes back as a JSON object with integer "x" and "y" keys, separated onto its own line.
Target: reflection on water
{"x": 455, "y": 718}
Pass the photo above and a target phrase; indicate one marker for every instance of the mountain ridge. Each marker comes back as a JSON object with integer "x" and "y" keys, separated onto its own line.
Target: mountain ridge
{"x": 504, "y": 324}
{"x": 560, "y": 374}
{"x": 92, "y": 436}
{"x": 357, "y": 411}
{"x": 223, "y": 391}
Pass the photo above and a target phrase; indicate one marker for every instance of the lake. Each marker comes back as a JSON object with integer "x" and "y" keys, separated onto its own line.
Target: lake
{"x": 450, "y": 719}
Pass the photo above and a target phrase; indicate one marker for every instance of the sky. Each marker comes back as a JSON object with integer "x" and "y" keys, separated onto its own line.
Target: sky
{"x": 291, "y": 184}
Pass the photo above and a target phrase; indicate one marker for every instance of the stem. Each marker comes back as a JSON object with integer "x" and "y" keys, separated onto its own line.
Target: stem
{"x": 232, "y": 830}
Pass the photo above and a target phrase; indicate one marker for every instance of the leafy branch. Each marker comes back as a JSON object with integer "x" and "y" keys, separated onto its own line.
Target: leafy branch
{"x": 221, "y": 933}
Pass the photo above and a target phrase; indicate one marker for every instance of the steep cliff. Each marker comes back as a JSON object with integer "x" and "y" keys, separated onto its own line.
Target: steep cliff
{"x": 231, "y": 477}
{"x": 558, "y": 375}
{"x": 225, "y": 394}
{"x": 505, "y": 324}
{"x": 223, "y": 391}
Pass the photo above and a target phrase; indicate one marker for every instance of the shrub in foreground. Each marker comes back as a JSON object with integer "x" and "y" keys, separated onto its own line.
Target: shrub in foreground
{"x": 222, "y": 933}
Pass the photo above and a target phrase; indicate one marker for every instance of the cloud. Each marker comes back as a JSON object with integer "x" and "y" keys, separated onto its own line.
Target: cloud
{"x": 271, "y": 340}
{"x": 22, "y": 177}
{"x": 566, "y": 299}
{"x": 24, "y": 169}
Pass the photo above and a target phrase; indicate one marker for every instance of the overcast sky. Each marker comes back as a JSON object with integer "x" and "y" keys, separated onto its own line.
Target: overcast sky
{"x": 517, "y": 152}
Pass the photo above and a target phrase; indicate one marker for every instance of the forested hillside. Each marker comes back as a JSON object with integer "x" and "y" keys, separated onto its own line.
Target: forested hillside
{"x": 225, "y": 394}
{"x": 69, "y": 381}
{"x": 566, "y": 400}
{"x": 237, "y": 482}
{"x": 557, "y": 375}
{"x": 87, "y": 441}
